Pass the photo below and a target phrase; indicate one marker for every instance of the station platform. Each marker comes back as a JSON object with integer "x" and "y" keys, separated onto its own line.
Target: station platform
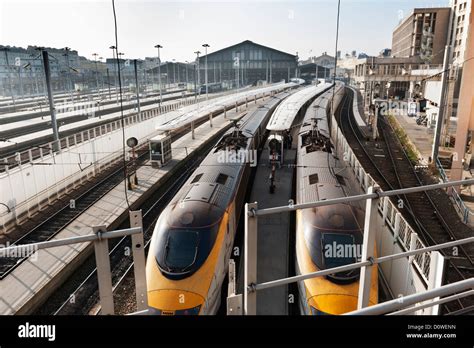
{"x": 273, "y": 232}
{"x": 34, "y": 280}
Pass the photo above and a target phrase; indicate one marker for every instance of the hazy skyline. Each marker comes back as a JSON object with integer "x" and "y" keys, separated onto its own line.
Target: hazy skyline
{"x": 183, "y": 26}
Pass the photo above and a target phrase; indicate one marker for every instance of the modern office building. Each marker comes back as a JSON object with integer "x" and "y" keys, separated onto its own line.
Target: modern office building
{"x": 424, "y": 33}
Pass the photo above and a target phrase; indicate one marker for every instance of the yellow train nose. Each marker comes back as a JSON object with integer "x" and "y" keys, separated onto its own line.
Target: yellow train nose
{"x": 332, "y": 304}
{"x": 175, "y": 302}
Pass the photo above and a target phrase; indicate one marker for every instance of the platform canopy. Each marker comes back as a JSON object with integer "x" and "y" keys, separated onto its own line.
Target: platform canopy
{"x": 184, "y": 116}
{"x": 286, "y": 112}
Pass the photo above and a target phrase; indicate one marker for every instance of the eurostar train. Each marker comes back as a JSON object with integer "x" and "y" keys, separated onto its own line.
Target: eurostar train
{"x": 193, "y": 237}
{"x": 327, "y": 236}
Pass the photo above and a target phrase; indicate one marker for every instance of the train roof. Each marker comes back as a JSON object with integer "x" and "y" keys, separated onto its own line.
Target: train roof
{"x": 285, "y": 114}
{"x": 317, "y": 181}
{"x": 252, "y": 122}
{"x": 214, "y": 180}
{"x": 185, "y": 116}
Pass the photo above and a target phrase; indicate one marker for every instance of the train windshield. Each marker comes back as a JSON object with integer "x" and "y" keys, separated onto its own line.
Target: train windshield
{"x": 333, "y": 235}
{"x": 339, "y": 249}
{"x": 181, "y": 251}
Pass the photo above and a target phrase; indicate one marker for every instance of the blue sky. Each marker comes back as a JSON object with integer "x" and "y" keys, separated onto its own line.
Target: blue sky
{"x": 183, "y": 26}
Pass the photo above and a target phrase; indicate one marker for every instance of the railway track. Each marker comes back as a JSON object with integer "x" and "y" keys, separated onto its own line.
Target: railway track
{"x": 13, "y": 133}
{"x": 427, "y": 212}
{"x": 48, "y": 227}
{"x": 85, "y": 294}
{"x": 82, "y": 285}
{"x": 56, "y": 222}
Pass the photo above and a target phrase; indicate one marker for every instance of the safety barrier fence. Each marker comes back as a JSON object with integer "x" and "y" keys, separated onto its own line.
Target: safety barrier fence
{"x": 464, "y": 212}
{"x": 100, "y": 239}
{"x": 373, "y": 197}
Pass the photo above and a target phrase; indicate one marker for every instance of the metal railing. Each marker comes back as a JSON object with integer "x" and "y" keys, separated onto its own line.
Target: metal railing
{"x": 459, "y": 204}
{"x": 100, "y": 239}
{"x": 373, "y": 197}
{"x": 461, "y": 289}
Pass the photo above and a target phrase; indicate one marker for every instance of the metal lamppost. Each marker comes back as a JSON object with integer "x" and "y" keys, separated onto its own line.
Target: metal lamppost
{"x": 159, "y": 71}
{"x": 198, "y": 72}
{"x": 205, "y": 48}
{"x": 101, "y": 75}
{"x": 115, "y": 75}
{"x": 96, "y": 73}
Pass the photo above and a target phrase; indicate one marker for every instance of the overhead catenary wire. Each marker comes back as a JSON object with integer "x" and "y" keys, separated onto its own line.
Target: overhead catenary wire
{"x": 122, "y": 118}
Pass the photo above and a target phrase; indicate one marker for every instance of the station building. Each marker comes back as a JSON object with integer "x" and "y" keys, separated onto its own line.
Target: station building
{"x": 247, "y": 63}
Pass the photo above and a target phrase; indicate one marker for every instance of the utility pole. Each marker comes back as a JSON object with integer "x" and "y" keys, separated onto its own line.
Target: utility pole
{"x": 137, "y": 86}
{"x": 159, "y": 71}
{"x": 205, "y": 48}
{"x": 442, "y": 104}
{"x": 52, "y": 109}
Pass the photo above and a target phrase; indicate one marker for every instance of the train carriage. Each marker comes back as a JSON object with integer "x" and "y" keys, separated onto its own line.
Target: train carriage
{"x": 327, "y": 236}
{"x": 193, "y": 238}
